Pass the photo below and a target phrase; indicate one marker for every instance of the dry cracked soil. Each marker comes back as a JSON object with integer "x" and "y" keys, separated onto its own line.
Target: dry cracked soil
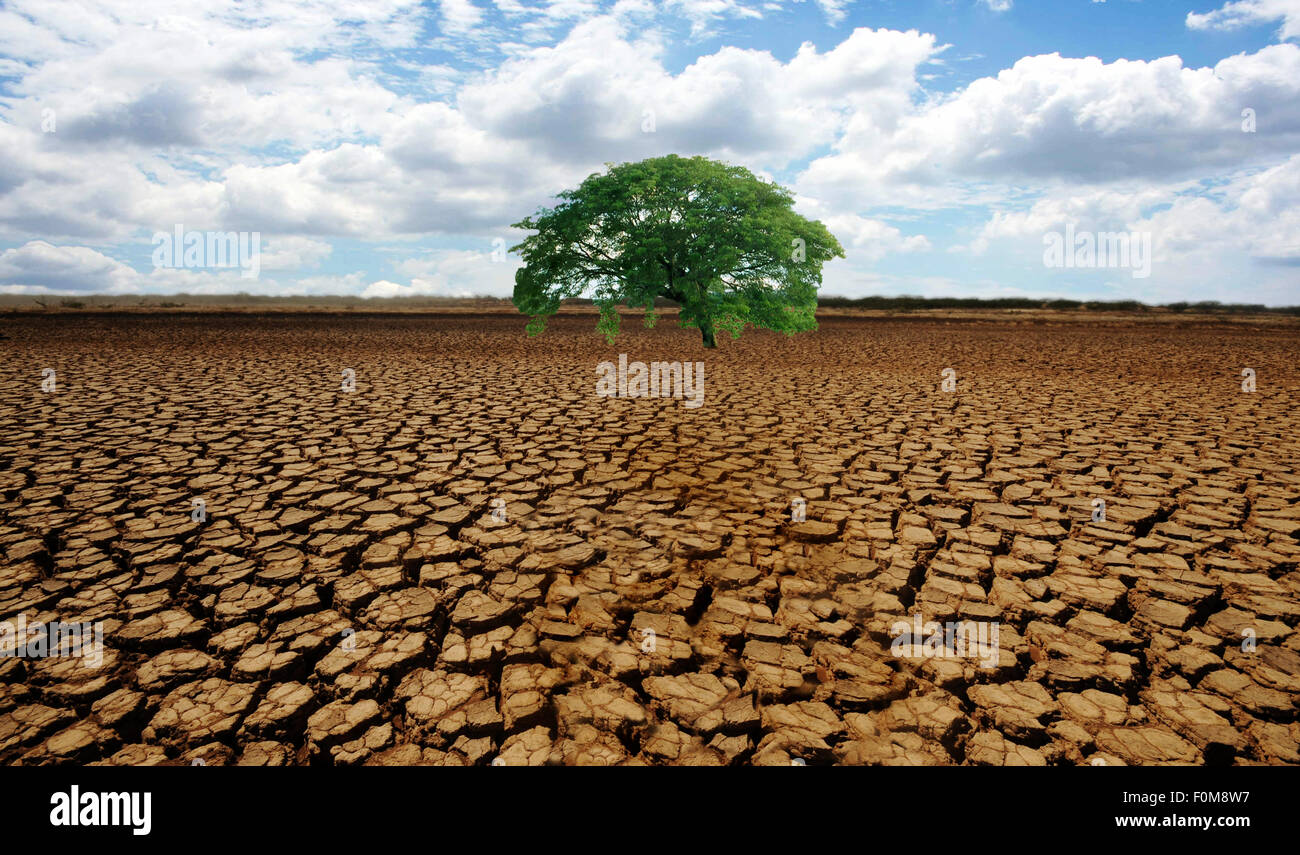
{"x": 471, "y": 558}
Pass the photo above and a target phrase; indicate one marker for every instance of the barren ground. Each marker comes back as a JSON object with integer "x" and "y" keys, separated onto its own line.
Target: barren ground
{"x": 350, "y": 598}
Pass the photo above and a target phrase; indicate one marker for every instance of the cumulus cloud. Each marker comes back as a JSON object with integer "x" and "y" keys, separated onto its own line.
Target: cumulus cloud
{"x": 1204, "y": 244}
{"x": 872, "y": 239}
{"x": 462, "y": 273}
{"x": 508, "y": 140}
{"x": 161, "y": 116}
{"x": 293, "y": 253}
{"x": 1081, "y": 121}
{"x": 547, "y": 119}
{"x": 599, "y": 92}
{"x": 1256, "y": 215}
{"x": 41, "y": 266}
{"x": 227, "y": 87}
{"x": 1096, "y": 210}
{"x": 350, "y": 283}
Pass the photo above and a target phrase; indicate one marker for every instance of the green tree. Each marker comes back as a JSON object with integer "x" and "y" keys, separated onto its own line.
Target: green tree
{"x": 727, "y": 247}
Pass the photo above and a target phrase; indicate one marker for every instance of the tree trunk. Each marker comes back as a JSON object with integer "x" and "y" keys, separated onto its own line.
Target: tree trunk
{"x": 706, "y": 329}
{"x": 706, "y": 322}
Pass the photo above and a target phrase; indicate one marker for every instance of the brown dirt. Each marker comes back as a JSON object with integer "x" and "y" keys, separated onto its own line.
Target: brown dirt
{"x": 350, "y": 597}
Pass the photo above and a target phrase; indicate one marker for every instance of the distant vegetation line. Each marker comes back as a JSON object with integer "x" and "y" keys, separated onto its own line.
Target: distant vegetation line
{"x": 874, "y": 303}
{"x": 914, "y": 304}
{"x": 908, "y": 304}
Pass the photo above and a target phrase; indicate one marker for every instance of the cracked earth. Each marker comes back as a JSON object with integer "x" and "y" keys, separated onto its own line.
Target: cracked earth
{"x": 642, "y": 594}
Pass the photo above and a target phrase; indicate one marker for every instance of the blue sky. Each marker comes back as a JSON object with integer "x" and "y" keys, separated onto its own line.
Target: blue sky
{"x": 384, "y": 149}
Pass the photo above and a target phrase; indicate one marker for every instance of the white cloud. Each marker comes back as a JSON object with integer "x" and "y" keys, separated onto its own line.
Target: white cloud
{"x": 1050, "y": 119}
{"x": 703, "y": 14}
{"x": 293, "y": 253}
{"x": 351, "y": 283}
{"x": 131, "y": 154}
{"x": 872, "y": 239}
{"x": 547, "y": 119}
{"x": 147, "y": 74}
{"x": 1095, "y": 209}
{"x": 384, "y": 288}
{"x": 1256, "y": 215}
{"x": 458, "y": 16}
{"x": 587, "y": 97}
{"x": 1242, "y": 13}
{"x": 41, "y": 265}
{"x": 834, "y": 10}
{"x": 1203, "y": 245}
{"x": 462, "y": 273}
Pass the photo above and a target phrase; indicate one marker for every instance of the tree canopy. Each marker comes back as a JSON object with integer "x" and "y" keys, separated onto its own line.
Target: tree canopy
{"x": 724, "y": 245}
